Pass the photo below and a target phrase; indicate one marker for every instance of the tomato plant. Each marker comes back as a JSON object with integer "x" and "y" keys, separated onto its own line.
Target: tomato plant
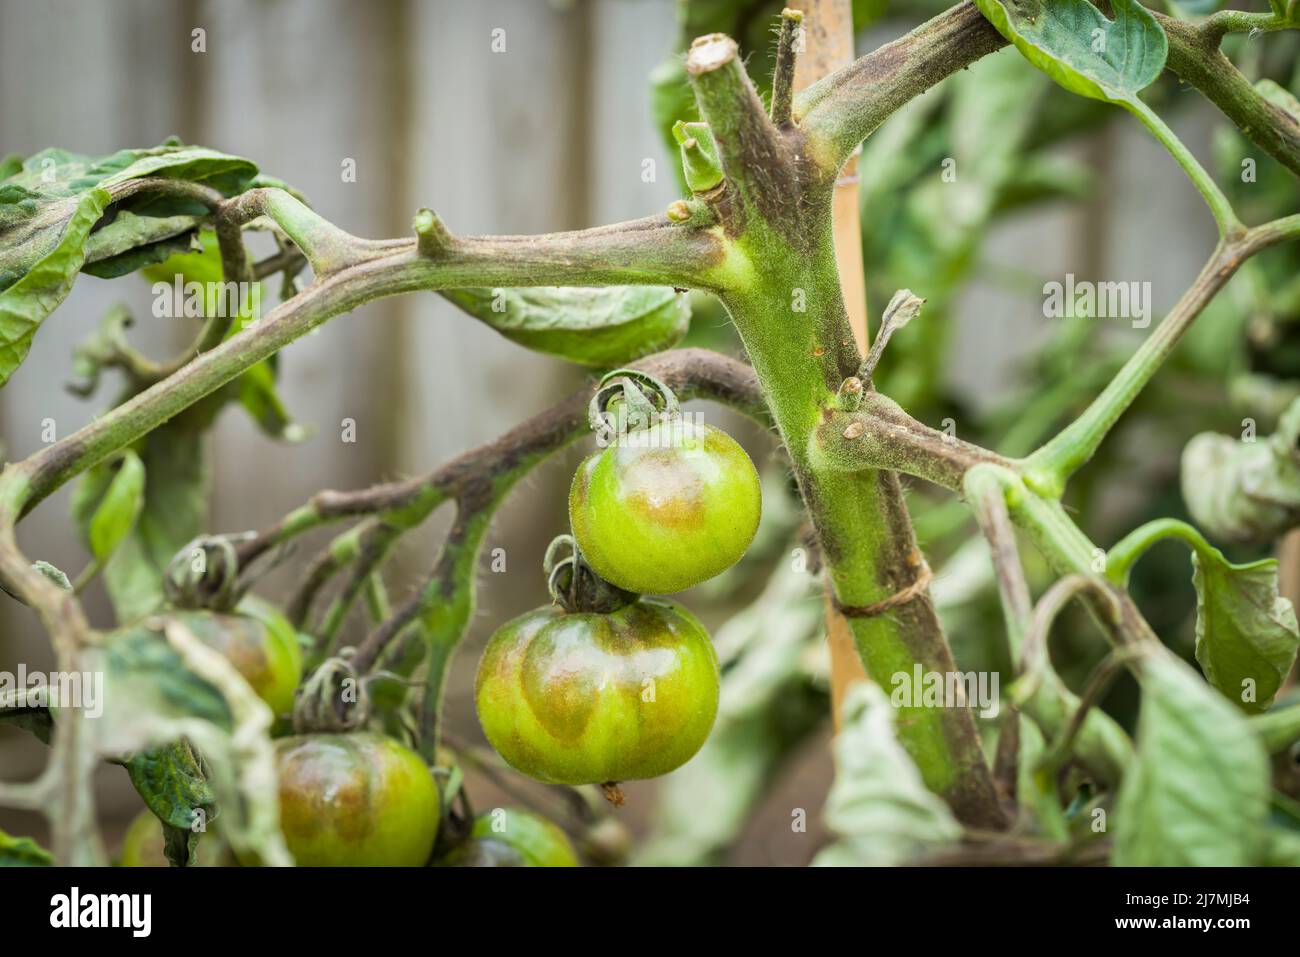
{"x": 978, "y": 723}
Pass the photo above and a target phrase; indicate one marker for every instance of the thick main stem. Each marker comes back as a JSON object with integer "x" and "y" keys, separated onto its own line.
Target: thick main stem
{"x": 868, "y": 545}
{"x": 827, "y": 30}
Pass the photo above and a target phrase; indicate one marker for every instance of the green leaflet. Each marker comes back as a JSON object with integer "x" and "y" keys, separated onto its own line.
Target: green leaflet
{"x": 1198, "y": 792}
{"x": 173, "y": 786}
{"x": 878, "y": 805}
{"x": 23, "y": 852}
{"x": 118, "y": 509}
{"x": 25, "y": 304}
{"x": 599, "y": 327}
{"x": 132, "y": 242}
{"x": 174, "y": 512}
{"x": 1246, "y": 633}
{"x": 1073, "y": 43}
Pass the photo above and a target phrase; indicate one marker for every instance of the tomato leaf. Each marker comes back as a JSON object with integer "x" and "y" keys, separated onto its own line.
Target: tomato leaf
{"x": 174, "y": 787}
{"x": 117, "y": 511}
{"x": 878, "y": 804}
{"x": 1073, "y": 43}
{"x": 602, "y": 327}
{"x": 173, "y": 513}
{"x": 162, "y": 685}
{"x": 49, "y": 205}
{"x": 26, "y": 303}
{"x": 23, "y": 852}
{"x": 1246, "y": 633}
{"x": 1197, "y": 793}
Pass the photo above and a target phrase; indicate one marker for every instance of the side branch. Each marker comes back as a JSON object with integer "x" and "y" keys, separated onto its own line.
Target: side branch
{"x": 650, "y": 251}
{"x": 470, "y": 478}
{"x": 1195, "y": 56}
{"x": 880, "y": 435}
{"x": 840, "y": 111}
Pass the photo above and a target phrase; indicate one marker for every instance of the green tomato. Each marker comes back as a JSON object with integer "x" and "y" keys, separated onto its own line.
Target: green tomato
{"x": 589, "y": 699}
{"x": 667, "y": 508}
{"x": 355, "y": 800}
{"x": 262, "y": 646}
{"x": 143, "y": 845}
{"x": 506, "y": 837}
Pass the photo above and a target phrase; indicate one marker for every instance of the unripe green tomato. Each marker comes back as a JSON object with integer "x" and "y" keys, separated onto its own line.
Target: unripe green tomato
{"x": 666, "y": 508}
{"x": 264, "y": 650}
{"x": 143, "y": 845}
{"x": 589, "y": 699}
{"x": 507, "y": 837}
{"x": 355, "y": 800}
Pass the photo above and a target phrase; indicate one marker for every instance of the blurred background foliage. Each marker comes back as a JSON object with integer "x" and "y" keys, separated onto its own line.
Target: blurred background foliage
{"x": 1045, "y": 184}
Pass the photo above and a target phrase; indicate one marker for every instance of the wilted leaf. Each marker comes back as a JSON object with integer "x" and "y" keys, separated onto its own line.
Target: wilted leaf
{"x": 1246, "y": 633}
{"x": 593, "y": 327}
{"x": 1197, "y": 795}
{"x": 1244, "y": 491}
{"x": 878, "y": 805}
{"x": 49, "y": 205}
{"x": 173, "y": 786}
{"x": 162, "y": 686}
{"x": 46, "y": 283}
{"x": 1073, "y": 43}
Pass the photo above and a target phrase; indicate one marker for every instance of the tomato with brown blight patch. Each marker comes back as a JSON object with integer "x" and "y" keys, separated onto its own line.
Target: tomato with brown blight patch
{"x": 355, "y": 800}
{"x": 580, "y": 698}
{"x": 665, "y": 508}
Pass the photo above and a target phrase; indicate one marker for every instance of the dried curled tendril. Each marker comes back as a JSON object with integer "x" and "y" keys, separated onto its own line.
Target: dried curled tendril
{"x": 204, "y": 574}
{"x": 574, "y": 586}
{"x": 627, "y": 400}
{"x": 333, "y": 700}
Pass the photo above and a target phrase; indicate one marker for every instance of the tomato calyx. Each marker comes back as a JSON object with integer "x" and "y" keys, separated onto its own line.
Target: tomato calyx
{"x": 575, "y": 586}
{"x": 334, "y": 700}
{"x": 204, "y": 575}
{"x": 628, "y": 400}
